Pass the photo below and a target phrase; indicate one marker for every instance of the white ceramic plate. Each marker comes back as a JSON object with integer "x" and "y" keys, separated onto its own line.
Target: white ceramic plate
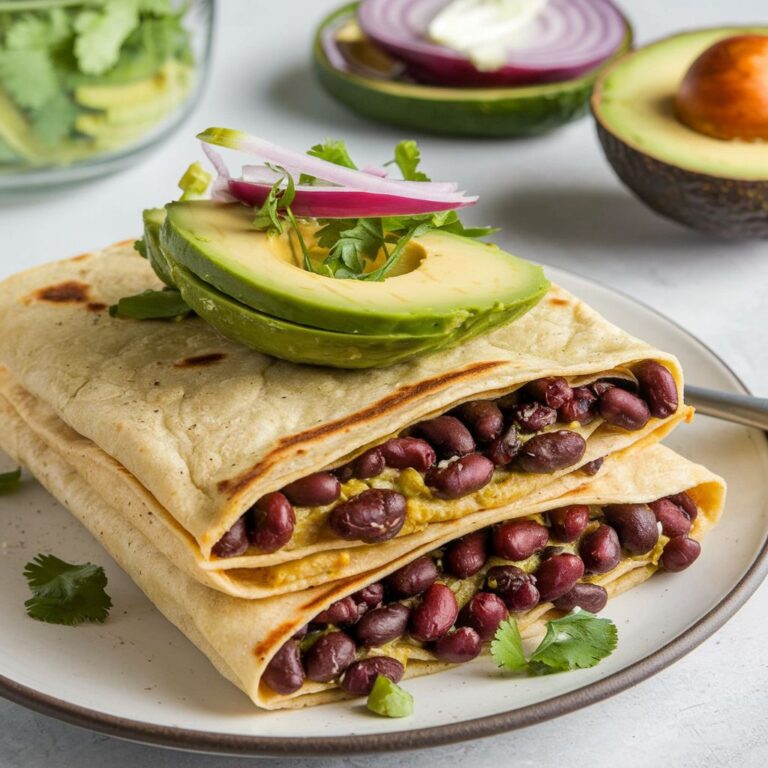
{"x": 137, "y": 677}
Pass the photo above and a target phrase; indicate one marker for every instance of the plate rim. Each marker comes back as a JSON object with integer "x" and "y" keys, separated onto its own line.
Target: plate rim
{"x": 213, "y": 742}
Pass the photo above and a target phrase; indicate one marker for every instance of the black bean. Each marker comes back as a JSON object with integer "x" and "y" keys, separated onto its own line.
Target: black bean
{"x": 568, "y": 523}
{"x": 467, "y": 555}
{"x": 552, "y": 451}
{"x": 435, "y": 614}
{"x": 635, "y": 525}
{"x": 553, "y": 391}
{"x": 372, "y": 516}
{"x": 342, "y": 612}
{"x": 329, "y": 656}
{"x": 679, "y": 553}
{"x": 461, "y": 477}
{"x": 686, "y": 503}
{"x": 657, "y": 388}
{"x": 408, "y": 453}
{"x": 272, "y": 522}
{"x": 315, "y": 490}
{"x": 674, "y": 522}
{"x": 588, "y": 597}
{"x": 344, "y": 472}
{"x": 503, "y": 450}
{"x": 591, "y": 468}
{"x": 382, "y": 625}
{"x": 447, "y": 435}
{"x": 598, "y": 387}
{"x": 533, "y": 417}
{"x": 519, "y": 539}
{"x": 370, "y": 596}
{"x": 484, "y": 612}
{"x": 515, "y": 587}
{"x": 412, "y": 579}
{"x": 483, "y": 418}
{"x": 464, "y": 644}
{"x": 234, "y": 542}
{"x": 556, "y": 575}
{"x": 369, "y": 464}
{"x": 581, "y": 407}
{"x": 284, "y": 673}
{"x": 360, "y": 676}
{"x": 623, "y": 409}
{"x": 600, "y": 550}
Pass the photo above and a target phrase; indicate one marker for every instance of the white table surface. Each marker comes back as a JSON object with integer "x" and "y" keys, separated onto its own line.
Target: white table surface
{"x": 559, "y": 203}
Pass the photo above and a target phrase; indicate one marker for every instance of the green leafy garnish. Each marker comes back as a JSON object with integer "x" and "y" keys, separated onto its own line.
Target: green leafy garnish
{"x": 64, "y": 593}
{"x": 101, "y": 33}
{"x": 9, "y": 480}
{"x": 407, "y": 159}
{"x": 333, "y": 151}
{"x": 577, "y": 641}
{"x": 140, "y": 246}
{"x": 28, "y": 76}
{"x": 507, "y": 647}
{"x": 151, "y": 305}
{"x": 389, "y": 699}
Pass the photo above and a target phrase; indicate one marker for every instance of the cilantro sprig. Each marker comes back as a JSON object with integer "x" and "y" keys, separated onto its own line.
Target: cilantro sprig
{"x": 576, "y": 641}
{"x": 63, "y": 593}
{"x": 353, "y": 244}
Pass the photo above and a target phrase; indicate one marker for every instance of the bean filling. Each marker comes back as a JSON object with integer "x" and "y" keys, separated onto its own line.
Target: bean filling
{"x": 447, "y": 604}
{"x": 457, "y": 454}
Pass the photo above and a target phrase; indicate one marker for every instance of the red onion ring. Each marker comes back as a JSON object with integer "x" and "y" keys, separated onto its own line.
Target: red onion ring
{"x": 568, "y": 39}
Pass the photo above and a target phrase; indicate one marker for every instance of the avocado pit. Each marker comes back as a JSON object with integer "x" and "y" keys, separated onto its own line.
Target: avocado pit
{"x": 724, "y": 94}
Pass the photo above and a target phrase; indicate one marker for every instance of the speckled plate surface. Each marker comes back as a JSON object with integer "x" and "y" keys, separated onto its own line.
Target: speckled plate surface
{"x": 137, "y": 677}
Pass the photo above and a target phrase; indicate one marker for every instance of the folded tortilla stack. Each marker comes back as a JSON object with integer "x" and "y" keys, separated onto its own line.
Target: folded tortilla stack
{"x": 272, "y": 648}
{"x": 258, "y": 477}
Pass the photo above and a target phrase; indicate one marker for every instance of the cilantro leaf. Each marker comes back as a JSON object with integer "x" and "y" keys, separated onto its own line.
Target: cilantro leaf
{"x": 576, "y": 641}
{"x": 507, "y": 646}
{"x": 54, "y": 120}
{"x": 29, "y": 77}
{"x": 140, "y": 246}
{"x": 9, "y": 480}
{"x": 407, "y": 159}
{"x": 151, "y": 305}
{"x": 100, "y": 34}
{"x": 68, "y": 594}
{"x": 333, "y": 151}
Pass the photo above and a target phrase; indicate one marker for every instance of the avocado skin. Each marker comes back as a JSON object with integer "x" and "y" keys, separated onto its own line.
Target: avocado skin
{"x": 300, "y": 344}
{"x": 153, "y": 222}
{"x": 729, "y": 208}
{"x": 501, "y": 112}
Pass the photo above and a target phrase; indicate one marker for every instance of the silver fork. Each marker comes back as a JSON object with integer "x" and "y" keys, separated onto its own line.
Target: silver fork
{"x": 741, "y": 409}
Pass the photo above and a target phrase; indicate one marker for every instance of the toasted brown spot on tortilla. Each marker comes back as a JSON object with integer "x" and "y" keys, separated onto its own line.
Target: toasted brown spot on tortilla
{"x": 81, "y": 257}
{"x": 68, "y": 292}
{"x": 96, "y": 306}
{"x": 200, "y": 360}
{"x": 238, "y": 484}
{"x": 271, "y": 639}
{"x": 558, "y": 302}
{"x": 123, "y": 243}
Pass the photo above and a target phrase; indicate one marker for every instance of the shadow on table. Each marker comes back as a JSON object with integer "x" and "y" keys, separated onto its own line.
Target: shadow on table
{"x": 578, "y": 218}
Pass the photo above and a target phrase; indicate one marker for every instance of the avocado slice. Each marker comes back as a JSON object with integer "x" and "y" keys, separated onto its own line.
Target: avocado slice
{"x": 706, "y": 183}
{"x": 365, "y": 81}
{"x": 453, "y": 281}
{"x": 153, "y": 222}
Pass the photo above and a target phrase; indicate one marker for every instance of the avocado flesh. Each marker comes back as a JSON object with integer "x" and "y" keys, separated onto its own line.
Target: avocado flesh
{"x": 635, "y": 102}
{"x": 458, "y": 285}
{"x": 153, "y": 221}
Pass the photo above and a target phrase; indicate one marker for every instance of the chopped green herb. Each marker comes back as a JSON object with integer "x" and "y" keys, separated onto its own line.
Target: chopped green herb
{"x": 576, "y": 641}
{"x": 507, "y": 647}
{"x": 64, "y": 593}
{"x": 101, "y": 33}
{"x": 407, "y": 159}
{"x": 151, "y": 305}
{"x": 9, "y": 480}
{"x": 279, "y": 198}
{"x": 389, "y": 699}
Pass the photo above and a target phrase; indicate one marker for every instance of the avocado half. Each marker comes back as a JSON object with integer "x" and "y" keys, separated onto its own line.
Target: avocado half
{"x": 373, "y": 87}
{"x": 249, "y": 286}
{"x": 716, "y": 186}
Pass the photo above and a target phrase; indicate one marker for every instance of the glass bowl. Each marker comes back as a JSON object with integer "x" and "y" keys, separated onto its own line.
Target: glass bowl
{"x": 86, "y": 86}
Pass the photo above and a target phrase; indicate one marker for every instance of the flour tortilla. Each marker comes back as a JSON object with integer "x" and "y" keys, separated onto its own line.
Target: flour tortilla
{"x": 206, "y": 426}
{"x": 241, "y": 636}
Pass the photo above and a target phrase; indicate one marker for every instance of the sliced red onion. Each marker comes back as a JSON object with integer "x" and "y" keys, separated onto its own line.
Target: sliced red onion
{"x": 220, "y": 185}
{"x": 567, "y": 39}
{"x": 338, "y": 202}
{"x": 352, "y": 179}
